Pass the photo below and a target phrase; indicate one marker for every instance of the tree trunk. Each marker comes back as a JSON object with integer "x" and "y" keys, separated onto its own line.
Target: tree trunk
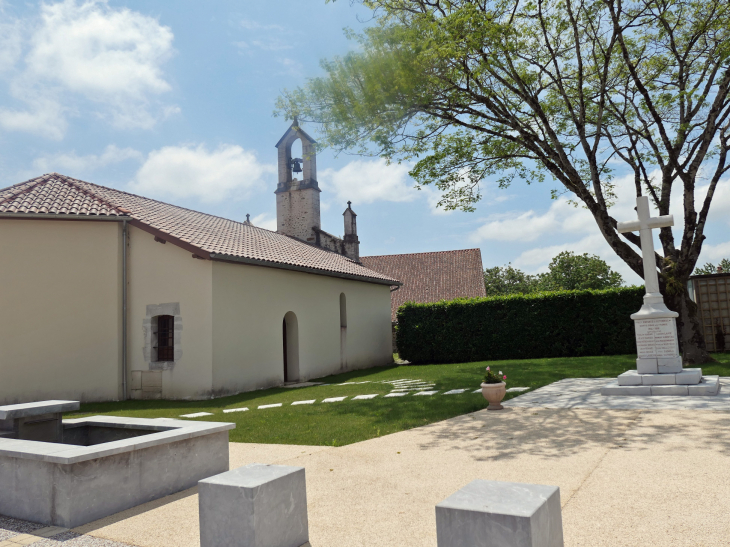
{"x": 689, "y": 332}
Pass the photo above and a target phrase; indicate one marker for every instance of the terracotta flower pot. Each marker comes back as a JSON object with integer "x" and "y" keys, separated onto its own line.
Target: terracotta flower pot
{"x": 494, "y": 393}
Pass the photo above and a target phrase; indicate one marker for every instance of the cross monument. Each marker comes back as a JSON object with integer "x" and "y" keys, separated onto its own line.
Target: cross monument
{"x": 644, "y": 226}
{"x": 658, "y": 365}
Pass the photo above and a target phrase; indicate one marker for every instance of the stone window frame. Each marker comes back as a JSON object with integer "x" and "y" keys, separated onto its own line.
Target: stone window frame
{"x": 149, "y": 325}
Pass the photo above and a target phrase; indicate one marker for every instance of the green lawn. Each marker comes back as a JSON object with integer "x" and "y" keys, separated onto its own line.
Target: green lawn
{"x": 351, "y": 421}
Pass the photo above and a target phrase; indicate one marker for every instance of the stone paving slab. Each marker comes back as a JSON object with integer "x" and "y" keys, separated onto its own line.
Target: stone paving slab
{"x": 627, "y": 478}
{"x": 586, "y": 393}
{"x": 675, "y": 498}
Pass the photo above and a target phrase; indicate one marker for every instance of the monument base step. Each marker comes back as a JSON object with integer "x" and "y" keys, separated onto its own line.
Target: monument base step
{"x": 708, "y": 385}
{"x": 687, "y": 376}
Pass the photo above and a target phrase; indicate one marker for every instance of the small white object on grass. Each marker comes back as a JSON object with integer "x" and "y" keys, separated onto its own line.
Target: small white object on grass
{"x": 396, "y": 394}
{"x": 426, "y": 393}
{"x": 229, "y": 410}
{"x": 309, "y": 402}
{"x": 371, "y": 396}
{"x": 334, "y": 399}
{"x": 455, "y": 391}
{"x": 270, "y": 406}
{"x": 196, "y": 415}
{"x": 513, "y": 389}
{"x": 477, "y": 390}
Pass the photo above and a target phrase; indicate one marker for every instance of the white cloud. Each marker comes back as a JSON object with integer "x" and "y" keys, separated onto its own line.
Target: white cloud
{"x": 433, "y": 196}
{"x": 45, "y": 116}
{"x": 720, "y": 207}
{"x": 363, "y": 181}
{"x": 10, "y": 41}
{"x": 264, "y": 220}
{"x": 249, "y": 24}
{"x": 87, "y": 51}
{"x": 714, "y": 253}
{"x": 561, "y": 217}
{"x": 74, "y": 165}
{"x": 271, "y": 44}
{"x": 228, "y": 172}
{"x": 263, "y": 37}
{"x": 290, "y": 67}
{"x": 566, "y": 228}
{"x": 563, "y": 227}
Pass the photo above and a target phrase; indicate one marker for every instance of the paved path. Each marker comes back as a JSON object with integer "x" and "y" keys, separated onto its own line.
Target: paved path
{"x": 586, "y": 393}
{"x": 631, "y": 477}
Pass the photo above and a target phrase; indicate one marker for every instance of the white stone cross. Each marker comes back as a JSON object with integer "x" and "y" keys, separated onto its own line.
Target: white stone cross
{"x": 644, "y": 225}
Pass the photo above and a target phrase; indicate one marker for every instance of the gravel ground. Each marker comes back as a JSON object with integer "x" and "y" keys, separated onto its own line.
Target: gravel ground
{"x": 10, "y": 527}
{"x": 72, "y": 539}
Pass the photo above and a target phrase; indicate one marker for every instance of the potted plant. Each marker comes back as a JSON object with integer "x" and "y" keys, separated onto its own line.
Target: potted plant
{"x": 494, "y": 388}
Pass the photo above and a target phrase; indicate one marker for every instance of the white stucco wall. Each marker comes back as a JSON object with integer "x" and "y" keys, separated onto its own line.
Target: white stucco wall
{"x": 61, "y": 328}
{"x": 60, "y": 310}
{"x": 249, "y": 304}
{"x": 166, "y": 274}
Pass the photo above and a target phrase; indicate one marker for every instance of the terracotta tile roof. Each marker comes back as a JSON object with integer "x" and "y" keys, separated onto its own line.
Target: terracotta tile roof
{"x": 430, "y": 277}
{"x": 207, "y": 235}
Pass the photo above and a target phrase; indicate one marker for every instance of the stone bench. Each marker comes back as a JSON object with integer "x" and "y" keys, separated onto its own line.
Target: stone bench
{"x": 39, "y": 421}
{"x": 256, "y": 505}
{"x": 500, "y": 514}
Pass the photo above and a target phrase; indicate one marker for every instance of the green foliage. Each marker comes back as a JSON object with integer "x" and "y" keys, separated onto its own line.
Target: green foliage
{"x": 571, "y": 272}
{"x": 353, "y": 421}
{"x": 492, "y": 377}
{"x": 557, "y": 324}
{"x": 710, "y": 268}
{"x": 500, "y": 281}
{"x": 519, "y": 89}
{"x": 567, "y": 272}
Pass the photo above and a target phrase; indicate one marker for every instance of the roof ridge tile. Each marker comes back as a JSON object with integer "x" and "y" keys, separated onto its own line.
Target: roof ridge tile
{"x": 56, "y": 194}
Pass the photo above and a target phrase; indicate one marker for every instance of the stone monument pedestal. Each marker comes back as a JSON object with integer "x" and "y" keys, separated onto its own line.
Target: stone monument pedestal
{"x": 659, "y": 368}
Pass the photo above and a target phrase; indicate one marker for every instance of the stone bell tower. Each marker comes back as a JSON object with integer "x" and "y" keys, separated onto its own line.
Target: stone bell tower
{"x": 297, "y": 201}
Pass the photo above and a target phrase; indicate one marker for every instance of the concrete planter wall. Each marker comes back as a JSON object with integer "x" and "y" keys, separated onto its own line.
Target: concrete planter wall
{"x": 66, "y": 485}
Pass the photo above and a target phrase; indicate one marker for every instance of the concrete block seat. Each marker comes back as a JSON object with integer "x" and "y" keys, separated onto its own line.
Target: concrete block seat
{"x": 500, "y": 514}
{"x": 256, "y": 505}
{"x": 105, "y": 464}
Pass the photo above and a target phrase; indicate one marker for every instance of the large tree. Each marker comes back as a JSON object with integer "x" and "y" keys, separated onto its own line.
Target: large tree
{"x": 567, "y": 272}
{"x": 571, "y": 272}
{"x": 575, "y": 90}
{"x": 710, "y": 268}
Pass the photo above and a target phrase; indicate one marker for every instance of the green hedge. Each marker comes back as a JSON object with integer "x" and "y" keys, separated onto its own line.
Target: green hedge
{"x": 550, "y": 324}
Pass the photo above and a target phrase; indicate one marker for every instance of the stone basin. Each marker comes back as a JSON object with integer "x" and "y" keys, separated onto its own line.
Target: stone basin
{"x": 101, "y": 465}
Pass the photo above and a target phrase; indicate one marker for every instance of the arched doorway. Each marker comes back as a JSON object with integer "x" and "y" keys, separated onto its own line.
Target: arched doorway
{"x": 290, "y": 340}
{"x": 343, "y": 331}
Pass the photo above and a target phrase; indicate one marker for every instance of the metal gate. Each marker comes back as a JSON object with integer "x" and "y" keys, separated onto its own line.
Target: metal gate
{"x": 712, "y": 296}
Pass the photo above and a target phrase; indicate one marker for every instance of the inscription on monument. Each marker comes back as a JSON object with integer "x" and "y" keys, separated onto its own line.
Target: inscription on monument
{"x": 656, "y": 338}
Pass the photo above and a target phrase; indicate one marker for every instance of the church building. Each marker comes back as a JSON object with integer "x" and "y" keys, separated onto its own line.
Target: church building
{"x": 106, "y": 295}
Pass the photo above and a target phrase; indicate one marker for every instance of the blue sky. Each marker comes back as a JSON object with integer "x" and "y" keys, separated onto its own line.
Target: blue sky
{"x": 174, "y": 100}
